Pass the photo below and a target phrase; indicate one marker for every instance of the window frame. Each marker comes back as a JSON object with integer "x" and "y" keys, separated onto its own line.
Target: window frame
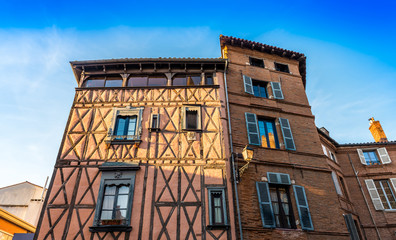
{"x": 277, "y": 64}
{"x": 253, "y": 63}
{"x": 197, "y": 108}
{"x": 369, "y": 162}
{"x": 259, "y": 85}
{"x": 282, "y": 218}
{"x": 123, "y": 173}
{"x": 224, "y": 223}
{"x": 154, "y": 127}
{"x": 276, "y": 137}
{"x": 128, "y": 111}
{"x": 105, "y": 80}
{"x": 392, "y": 190}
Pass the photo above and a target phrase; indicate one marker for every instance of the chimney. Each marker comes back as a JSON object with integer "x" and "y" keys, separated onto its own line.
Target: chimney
{"x": 325, "y": 131}
{"x": 376, "y": 130}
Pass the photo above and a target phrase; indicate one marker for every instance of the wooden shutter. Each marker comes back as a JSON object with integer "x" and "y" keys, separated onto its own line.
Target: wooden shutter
{"x": 247, "y": 81}
{"x": 278, "y": 178}
{"x": 374, "y": 194}
{"x": 277, "y": 90}
{"x": 325, "y": 150}
{"x": 267, "y": 214}
{"x": 287, "y": 134}
{"x": 252, "y": 128}
{"x": 303, "y": 209}
{"x": 336, "y": 183}
{"x": 351, "y": 227}
{"x": 361, "y": 156}
{"x": 393, "y": 181}
{"x": 383, "y": 154}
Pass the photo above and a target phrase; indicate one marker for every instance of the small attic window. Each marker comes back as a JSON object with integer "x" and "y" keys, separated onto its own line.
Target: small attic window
{"x": 256, "y": 62}
{"x": 282, "y": 67}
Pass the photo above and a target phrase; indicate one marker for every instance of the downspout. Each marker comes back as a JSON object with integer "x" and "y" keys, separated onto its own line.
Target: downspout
{"x": 364, "y": 197}
{"x": 232, "y": 154}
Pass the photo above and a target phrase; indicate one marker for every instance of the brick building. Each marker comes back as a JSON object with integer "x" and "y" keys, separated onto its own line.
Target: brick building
{"x": 161, "y": 149}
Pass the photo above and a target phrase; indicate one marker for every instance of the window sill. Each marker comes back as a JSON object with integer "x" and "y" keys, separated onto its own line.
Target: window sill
{"x": 192, "y": 130}
{"x": 216, "y": 227}
{"x": 135, "y": 139}
{"x": 154, "y": 129}
{"x": 110, "y": 228}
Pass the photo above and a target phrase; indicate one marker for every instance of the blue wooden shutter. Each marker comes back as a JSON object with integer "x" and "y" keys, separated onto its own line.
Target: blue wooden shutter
{"x": 278, "y": 178}
{"x": 120, "y": 126}
{"x": 267, "y": 215}
{"x": 351, "y": 227}
{"x": 247, "y": 81}
{"x": 252, "y": 128}
{"x": 303, "y": 209}
{"x": 277, "y": 90}
{"x": 287, "y": 134}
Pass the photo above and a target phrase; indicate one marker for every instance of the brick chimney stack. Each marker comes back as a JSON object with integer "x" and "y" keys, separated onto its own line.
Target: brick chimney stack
{"x": 376, "y": 130}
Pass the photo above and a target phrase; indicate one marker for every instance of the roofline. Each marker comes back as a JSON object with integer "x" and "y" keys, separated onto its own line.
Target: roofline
{"x": 242, "y": 43}
{"x": 136, "y": 60}
{"x": 328, "y": 137}
{"x": 22, "y": 183}
{"x": 17, "y": 221}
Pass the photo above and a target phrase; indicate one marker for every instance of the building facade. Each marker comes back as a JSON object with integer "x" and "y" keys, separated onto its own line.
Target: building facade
{"x": 144, "y": 154}
{"x": 162, "y": 149}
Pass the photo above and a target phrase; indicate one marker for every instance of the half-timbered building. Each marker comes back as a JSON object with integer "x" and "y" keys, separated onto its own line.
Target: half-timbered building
{"x": 144, "y": 154}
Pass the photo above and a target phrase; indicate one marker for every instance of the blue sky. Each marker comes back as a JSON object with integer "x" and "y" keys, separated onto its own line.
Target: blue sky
{"x": 351, "y": 72}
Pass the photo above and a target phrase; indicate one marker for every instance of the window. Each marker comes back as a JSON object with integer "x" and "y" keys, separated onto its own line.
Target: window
{"x": 276, "y": 208}
{"x": 147, "y": 80}
{"x": 217, "y": 212}
{"x": 386, "y": 194}
{"x": 374, "y": 157}
{"x": 282, "y": 67}
{"x": 209, "y": 79}
{"x": 114, "y": 205}
{"x": 382, "y": 193}
{"x": 325, "y": 150}
{"x": 192, "y": 118}
{"x": 352, "y": 226}
{"x": 283, "y": 213}
{"x": 260, "y": 89}
{"x": 371, "y": 157}
{"x": 187, "y": 80}
{"x": 256, "y": 62}
{"x": 127, "y": 126}
{"x": 155, "y": 122}
{"x": 332, "y": 156}
{"x": 103, "y": 81}
{"x": 268, "y": 135}
{"x": 263, "y": 133}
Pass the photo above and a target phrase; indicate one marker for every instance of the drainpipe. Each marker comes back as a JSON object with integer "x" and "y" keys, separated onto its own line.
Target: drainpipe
{"x": 364, "y": 197}
{"x": 232, "y": 154}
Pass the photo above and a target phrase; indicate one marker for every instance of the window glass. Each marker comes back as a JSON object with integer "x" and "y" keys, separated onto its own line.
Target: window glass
{"x": 191, "y": 119}
{"x": 386, "y": 194}
{"x": 157, "y": 81}
{"x": 216, "y": 201}
{"x": 209, "y": 79}
{"x": 193, "y": 80}
{"x": 281, "y": 206}
{"x": 94, "y": 83}
{"x": 125, "y": 126}
{"x": 113, "y": 83}
{"x": 115, "y": 203}
{"x": 260, "y": 89}
{"x": 137, "y": 81}
{"x": 268, "y": 134}
{"x": 179, "y": 80}
{"x": 371, "y": 157}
